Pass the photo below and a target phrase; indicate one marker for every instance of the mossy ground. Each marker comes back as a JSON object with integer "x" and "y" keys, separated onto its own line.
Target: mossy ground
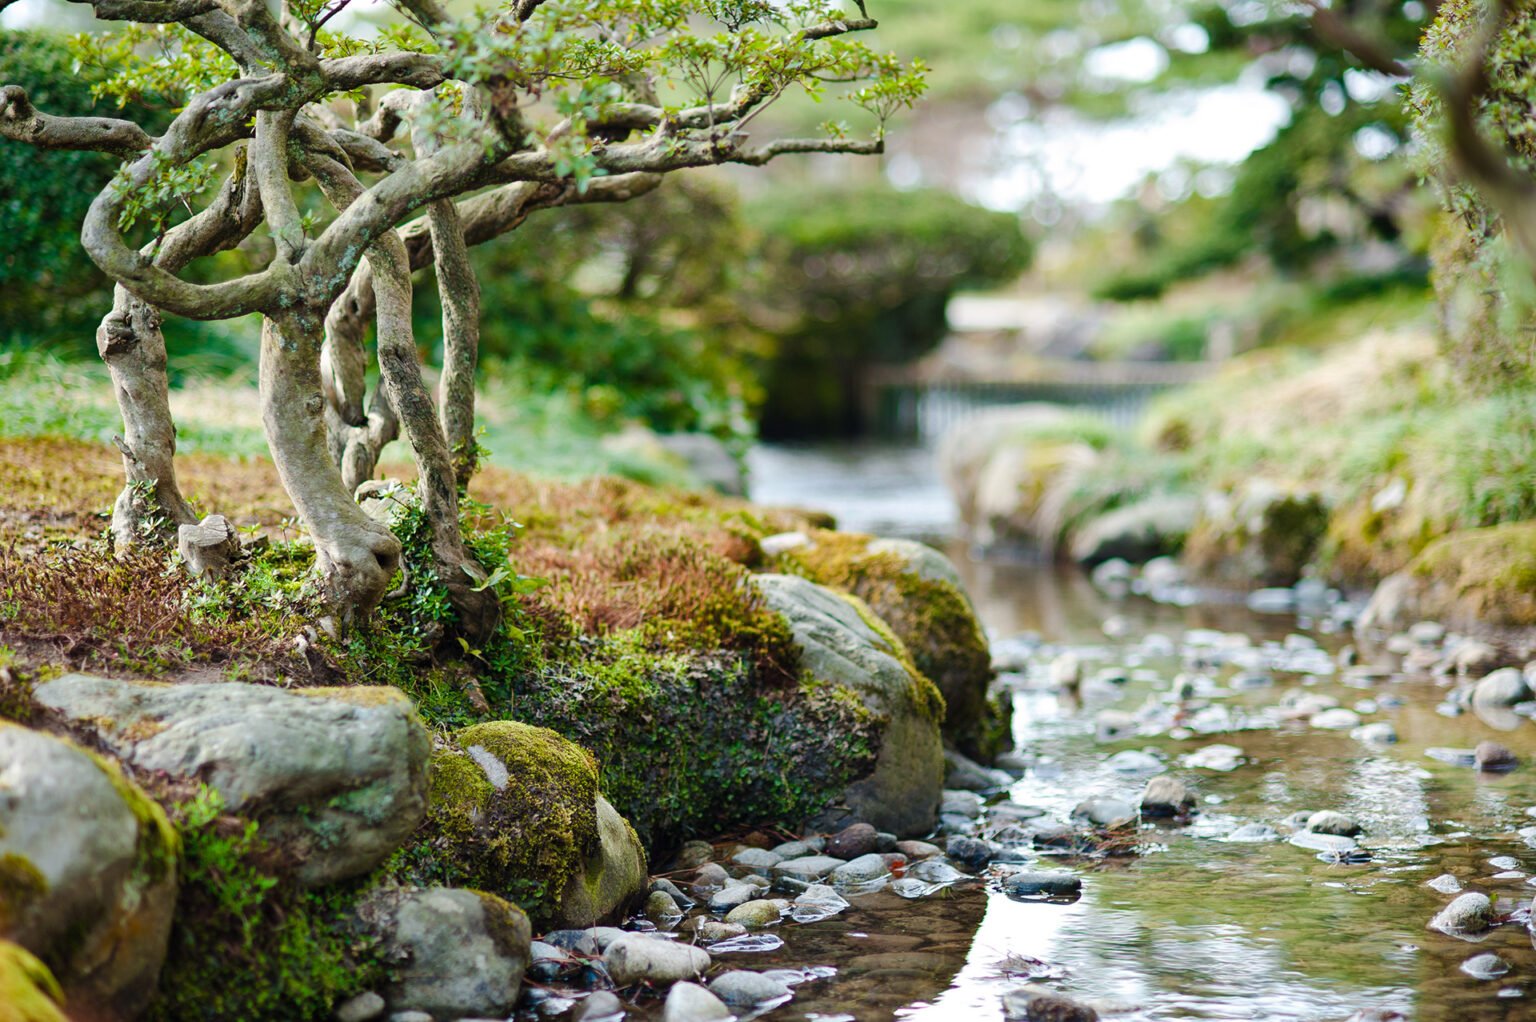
{"x": 631, "y": 628}
{"x": 1483, "y": 575}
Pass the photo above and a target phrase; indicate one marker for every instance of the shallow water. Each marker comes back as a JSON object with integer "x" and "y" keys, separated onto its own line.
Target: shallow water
{"x": 1193, "y": 926}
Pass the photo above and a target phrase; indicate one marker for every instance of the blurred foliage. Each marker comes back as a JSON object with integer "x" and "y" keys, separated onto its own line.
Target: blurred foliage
{"x": 844, "y": 278}
{"x": 1486, "y": 291}
{"x": 50, "y": 291}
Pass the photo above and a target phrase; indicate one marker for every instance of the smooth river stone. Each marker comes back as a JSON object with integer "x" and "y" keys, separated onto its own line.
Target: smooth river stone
{"x": 807, "y": 869}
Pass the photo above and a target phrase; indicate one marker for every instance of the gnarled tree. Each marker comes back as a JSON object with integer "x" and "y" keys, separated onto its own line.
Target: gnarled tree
{"x": 350, "y": 161}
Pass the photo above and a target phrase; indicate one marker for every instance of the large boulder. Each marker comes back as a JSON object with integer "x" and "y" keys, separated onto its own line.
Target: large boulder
{"x": 918, "y": 593}
{"x": 454, "y": 953}
{"x": 515, "y": 809}
{"x": 87, "y": 873}
{"x": 28, "y": 991}
{"x": 844, "y": 645}
{"x": 1470, "y": 579}
{"x": 1264, "y": 534}
{"x": 336, "y": 776}
{"x": 1137, "y": 532}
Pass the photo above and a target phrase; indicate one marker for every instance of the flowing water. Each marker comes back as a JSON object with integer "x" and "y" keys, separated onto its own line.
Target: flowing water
{"x": 1190, "y": 925}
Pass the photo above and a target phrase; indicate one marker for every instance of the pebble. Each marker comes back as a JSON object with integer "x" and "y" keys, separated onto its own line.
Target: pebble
{"x": 972, "y": 853}
{"x": 759, "y": 860}
{"x": 1051, "y": 884}
{"x": 689, "y": 1002}
{"x": 1504, "y": 687}
{"x": 1380, "y": 733}
{"x": 1029, "y": 1005}
{"x": 852, "y": 841}
{"x": 754, "y": 915}
{"x": 601, "y": 1006}
{"x": 1492, "y": 758}
{"x": 1106, "y": 812}
{"x": 1335, "y": 719}
{"x": 710, "y": 877}
{"x": 934, "y": 871}
{"x": 817, "y": 902}
{"x": 634, "y": 958}
{"x": 737, "y": 894}
{"x": 1471, "y": 913}
{"x": 545, "y": 962}
{"x": 1334, "y": 844}
{"x": 960, "y": 803}
{"x": 916, "y": 850}
{"x": 711, "y": 930}
{"x": 864, "y": 869}
{"x": 660, "y": 906}
{"x": 807, "y": 869}
{"x": 361, "y": 1008}
{"x": 1254, "y": 832}
{"x": 581, "y": 941}
{"x": 793, "y": 850}
{"x": 745, "y": 988}
{"x": 1166, "y": 796}
{"x": 668, "y": 887}
{"x": 1455, "y": 757}
{"x": 1485, "y": 966}
{"x": 1133, "y": 761}
{"x": 1329, "y": 822}
{"x": 1444, "y": 883}
{"x": 1221, "y": 758}
{"x": 693, "y": 854}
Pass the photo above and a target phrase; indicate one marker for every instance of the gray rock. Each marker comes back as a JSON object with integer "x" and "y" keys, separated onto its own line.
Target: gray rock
{"x": 667, "y": 887}
{"x": 968, "y": 775}
{"x": 1106, "y": 812}
{"x": 1427, "y": 633}
{"x": 361, "y": 1008}
{"x": 458, "y": 953}
{"x": 1493, "y": 758}
{"x": 410, "y": 1016}
{"x": 582, "y": 941}
{"x": 961, "y": 803}
{"x": 1469, "y": 914}
{"x": 1043, "y": 883}
{"x": 744, "y": 988}
{"x": 1445, "y": 883}
{"x": 708, "y": 460}
{"x": 1380, "y": 733}
{"x": 934, "y": 871}
{"x": 817, "y": 902}
{"x": 839, "y": 646}
{"x": 612, "y": 875}
{"x": 660, "y": 906}
{"x": 338, "y": 776}
{"x": 693, "y": 854}
{"x": 1332, "y": 844}
{"x": 1329, "y": 822}
{"x": 972, "y": 853}
{"x": 710, "y": 877}
{"x": 757, "y": 859}
{"x": 754, "y": 915}
{"x": 793, "y": 850}
{"x": 89, "y": 870}
{"x": 807, "y": 869}
{"x": 1166, "y": 796}
{"x": 1335, "y": 719}
{"x": 600, "y": 1006}
{"x": 734, "y": 895}
{"x": 1473, "y": 659}
{"x": 1504, "y": 687}
{"x": 635, "y": 959}
{"x": 689, "y": 1002}
{"x": 1137, "y": 532}
{"x": 1133, "y": 761}
{"x": 1254, "y": 832}
{"x": 864, "y": 869}
{"x": 852, "y": 841}
{"x": 711, "y": 930}
{"x": 1034, "y": 1005}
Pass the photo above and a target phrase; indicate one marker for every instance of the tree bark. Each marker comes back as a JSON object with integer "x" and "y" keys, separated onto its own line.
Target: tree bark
{"x": 131, "y": 344}
{"x": 355, "y": 556}
{"x": 459, "y": 292}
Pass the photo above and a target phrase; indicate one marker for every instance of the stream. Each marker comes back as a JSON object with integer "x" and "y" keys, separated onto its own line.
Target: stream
{"x": 1182, "y": 920}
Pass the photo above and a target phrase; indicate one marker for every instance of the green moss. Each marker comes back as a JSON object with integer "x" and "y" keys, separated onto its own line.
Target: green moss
{"x": 523, "y": 841}
{"x": 925, "y": 695}
{"x": 934, "y": 621}
{"x": 28, "y": 991}
{"x": 21, "y": 883}
{"x": 158, "y": 844}
{"x": 246, "y": 945}
{"x": 1483, "y": 575}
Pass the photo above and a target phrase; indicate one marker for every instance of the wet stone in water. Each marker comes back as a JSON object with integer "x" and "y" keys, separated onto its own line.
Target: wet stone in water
{"x": 1472, "y": 913}
{"x": 741, "y": 987}
{"x": 1445, "y": 884}
{"x": 1493, "y": 758}
{"x": 1043, "y": 884}
{"x": 808, "y": 869}
{"x": 1254, "y": 832}
{"x": 852, "y": 841}
{"x": 1329, "y": 822}
{"x": 1485, "y": 966}
{"x": 972, "y": 853}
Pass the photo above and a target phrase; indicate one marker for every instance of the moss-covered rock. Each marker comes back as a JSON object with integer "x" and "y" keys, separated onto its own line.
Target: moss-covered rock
{"x": 515, "y": 810}
{"x": 88, "y": 867}
{"x": 1263, "y": 535}
{"x": 28, "y": 991}
{"x": 1469, "y": 579}
{"x": 457, "y": 953}
{"x": 916, "y": 591}
{"x": 337, "y": 776}
{"x": 844, "y": 645}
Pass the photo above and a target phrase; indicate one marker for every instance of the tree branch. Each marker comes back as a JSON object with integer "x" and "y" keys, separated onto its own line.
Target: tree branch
{"x": 20, "y": 121}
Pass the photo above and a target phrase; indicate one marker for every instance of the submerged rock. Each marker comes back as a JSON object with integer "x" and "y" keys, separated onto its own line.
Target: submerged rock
{"x": 1051, "y": 884}
{"x": 843, "y": 644}
{"x": 1329, "y": 822}
{"x": 755, "y": 914}
{"x": 1166, "y": 796}
{"x": 88, "y": 867}
{"x": 337, "y": 777}
{"x": 807, "y": 869}
{"x": 1493, "y": 758}
{"x": 1106, "y": 812}
{"x": 457, "y": 953}
{"x": 1485, "y": 966}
